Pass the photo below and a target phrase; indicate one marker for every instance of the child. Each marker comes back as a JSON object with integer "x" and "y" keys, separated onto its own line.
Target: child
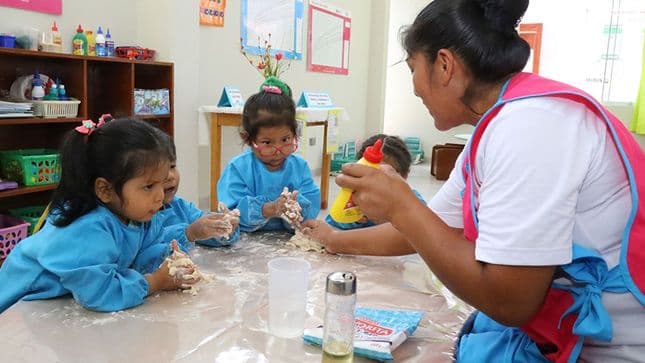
{"x": 351, "y": 238}
{"x": 395, "y": 154}
{"x": 100, "y": 243}
{"x": 181, "y": 218}
{"x": 253, "y": 181}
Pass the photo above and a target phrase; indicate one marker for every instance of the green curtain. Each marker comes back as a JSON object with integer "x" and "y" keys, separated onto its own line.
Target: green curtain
{"x": 638, "y": 121}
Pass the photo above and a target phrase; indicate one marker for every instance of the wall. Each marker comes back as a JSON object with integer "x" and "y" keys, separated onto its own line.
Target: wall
{"x": 220, "y": 64}
{"x": 404, "y": 114}
{"x": 208, "y": 58}
{"x": 90, "y": 14}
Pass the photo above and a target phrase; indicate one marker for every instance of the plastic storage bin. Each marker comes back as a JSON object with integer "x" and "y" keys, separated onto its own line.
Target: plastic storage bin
{"x": 7, "y": 41}
{"x": 12, "y": 231}
{"x": 30, "y": 215}
{"x": 53, "y": 109}
{"x": 31, "y": 167}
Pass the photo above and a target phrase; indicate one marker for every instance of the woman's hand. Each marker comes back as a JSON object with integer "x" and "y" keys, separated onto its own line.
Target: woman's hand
{"x": 378, "y": 192}
{"x": 320, "y": 232}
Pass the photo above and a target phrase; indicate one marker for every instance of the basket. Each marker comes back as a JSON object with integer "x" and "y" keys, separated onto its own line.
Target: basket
{"x": 12, "y": 231}
{"x": 53, "y": 109}
{"x": 30, "y": 215}
{"x": 135, "y": 53}
{"x": 337, "y": 164}
{"x": 31, "y": 167}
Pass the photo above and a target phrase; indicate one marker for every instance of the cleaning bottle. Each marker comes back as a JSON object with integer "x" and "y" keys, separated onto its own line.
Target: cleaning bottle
{"x": 109, "y": 44}
{"x": 100, "y": 43}
{"x": 79, "y": 42}
{"x": 91, "y": 43}
{"x": 344, "y": 210}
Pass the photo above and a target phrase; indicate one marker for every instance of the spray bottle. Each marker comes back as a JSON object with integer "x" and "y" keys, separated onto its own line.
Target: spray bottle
{"x": 344, "y": 210}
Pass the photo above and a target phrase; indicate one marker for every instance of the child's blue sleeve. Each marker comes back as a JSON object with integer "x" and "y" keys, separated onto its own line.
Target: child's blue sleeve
{"x": 90, "y": 270}
{"x": 308, "y": 194}
{"x": 235, "y": 193}
{"x": 177, "y": 218}
{"x": 345, "y": 226}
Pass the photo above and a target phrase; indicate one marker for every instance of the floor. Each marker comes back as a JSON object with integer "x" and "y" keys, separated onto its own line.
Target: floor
{"x": 419, "y": 179}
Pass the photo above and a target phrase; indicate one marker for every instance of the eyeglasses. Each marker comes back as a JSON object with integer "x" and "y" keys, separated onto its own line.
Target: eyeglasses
{"x": 270, "y": 150}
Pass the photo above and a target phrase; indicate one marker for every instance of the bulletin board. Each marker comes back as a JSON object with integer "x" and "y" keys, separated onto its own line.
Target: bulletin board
{"x": 328, "y": 38}
{"x": 42, "y": 6}
{"x": 280, "y": 18}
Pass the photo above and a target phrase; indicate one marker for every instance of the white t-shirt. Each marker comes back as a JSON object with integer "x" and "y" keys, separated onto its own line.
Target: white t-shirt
{"x": 548, "y": 174}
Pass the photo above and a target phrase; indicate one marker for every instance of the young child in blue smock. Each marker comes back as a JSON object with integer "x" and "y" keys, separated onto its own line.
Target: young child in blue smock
{"x": 100, "y": 243}
{"x": 253, "y": 181}
{"x": 397, "y": 155}
{"x": 183, "y": 218}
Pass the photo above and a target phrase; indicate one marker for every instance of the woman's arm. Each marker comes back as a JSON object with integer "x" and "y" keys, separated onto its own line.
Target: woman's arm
{"x": 378, "y": 240}
{"x": 509, "y": 294}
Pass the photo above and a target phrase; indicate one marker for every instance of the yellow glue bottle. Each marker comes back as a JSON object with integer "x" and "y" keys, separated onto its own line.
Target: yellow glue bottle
{"x": 344, "y": 210}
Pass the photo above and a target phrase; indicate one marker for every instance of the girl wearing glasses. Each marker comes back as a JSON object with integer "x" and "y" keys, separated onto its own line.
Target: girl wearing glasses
{"x": 254, "y": 180}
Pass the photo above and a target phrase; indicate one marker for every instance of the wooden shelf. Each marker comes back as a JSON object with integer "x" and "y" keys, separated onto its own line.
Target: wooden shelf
{"x": 38, "y": 120}
{"x": 147, "y": 117}
{"x": 26, "y": 190}
{"x": 102, "y": 84}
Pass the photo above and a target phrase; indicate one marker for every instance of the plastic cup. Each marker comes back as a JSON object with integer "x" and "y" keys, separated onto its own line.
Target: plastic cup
{"x": 288, "y": 284}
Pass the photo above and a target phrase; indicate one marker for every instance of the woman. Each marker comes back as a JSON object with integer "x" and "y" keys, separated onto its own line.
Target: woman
{"x": 539, "y": 226}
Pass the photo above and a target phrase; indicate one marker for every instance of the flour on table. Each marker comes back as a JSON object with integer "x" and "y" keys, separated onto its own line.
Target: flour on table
{"x": 179, "y": 263}
{"x": 302, "y": 242}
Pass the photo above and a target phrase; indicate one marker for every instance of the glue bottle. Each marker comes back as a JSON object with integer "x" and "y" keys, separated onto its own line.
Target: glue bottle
{"x": 344, "y": 210}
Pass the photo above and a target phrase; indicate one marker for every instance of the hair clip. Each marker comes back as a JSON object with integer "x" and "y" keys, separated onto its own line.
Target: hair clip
{"x": 272, "y": 89}
{"x": 86, "y": 128}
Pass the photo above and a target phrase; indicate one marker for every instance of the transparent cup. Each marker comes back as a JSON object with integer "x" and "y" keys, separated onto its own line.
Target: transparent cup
{"x": 288, "y": 284}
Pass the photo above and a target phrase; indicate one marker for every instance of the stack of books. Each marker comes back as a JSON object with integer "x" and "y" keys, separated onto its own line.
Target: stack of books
{"x": 16, "y": 109}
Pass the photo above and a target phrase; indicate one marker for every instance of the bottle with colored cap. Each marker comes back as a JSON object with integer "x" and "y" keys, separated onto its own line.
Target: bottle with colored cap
{"x": 344, "y": 210}
{"x": 79, "y": 42}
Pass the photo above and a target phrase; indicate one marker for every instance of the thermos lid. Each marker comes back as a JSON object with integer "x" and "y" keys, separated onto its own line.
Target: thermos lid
{"x": 341, "y": 283}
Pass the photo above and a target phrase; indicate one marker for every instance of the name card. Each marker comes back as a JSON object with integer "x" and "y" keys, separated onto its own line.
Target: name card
{"x": 231, "y": 97}
{"x": 315, "y": 99}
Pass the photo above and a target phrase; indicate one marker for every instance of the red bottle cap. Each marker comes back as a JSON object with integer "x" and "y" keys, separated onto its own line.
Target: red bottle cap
{"x": 373, "y": 153}
{"x": 55, "y": 27}
{"x": 79, "y": 29}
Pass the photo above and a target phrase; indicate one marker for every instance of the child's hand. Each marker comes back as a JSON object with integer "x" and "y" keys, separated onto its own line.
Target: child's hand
{"x": 211, "y": 225}
{"x": 162, "y": 279}
{"x": 320, "y": 232}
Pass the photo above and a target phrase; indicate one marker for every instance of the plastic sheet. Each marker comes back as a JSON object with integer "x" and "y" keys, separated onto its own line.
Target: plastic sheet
{"x": 227, "y": 320}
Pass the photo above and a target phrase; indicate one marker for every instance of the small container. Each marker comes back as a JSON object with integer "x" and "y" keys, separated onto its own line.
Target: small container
{"x": 338, "y": 329}
{"x": 12, "y": 231}
{"x": 7, "y": 41}
{"x": 109, "y": 44}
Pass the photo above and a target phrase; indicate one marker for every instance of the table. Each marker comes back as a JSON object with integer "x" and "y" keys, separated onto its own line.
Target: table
{"x": 232, "y": 116}
{"x": 227, "y": 320}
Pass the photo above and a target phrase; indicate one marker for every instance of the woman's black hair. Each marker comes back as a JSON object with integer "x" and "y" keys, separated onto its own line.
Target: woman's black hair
{"x": 481, "y": 32}
{"x": 394, "y": 149}
{"x": 117, "y": 151}
{"x": 268, "y": 109}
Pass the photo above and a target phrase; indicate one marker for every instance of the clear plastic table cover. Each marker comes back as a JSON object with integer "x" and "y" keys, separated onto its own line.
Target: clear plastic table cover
{"x": 227, "y": 320}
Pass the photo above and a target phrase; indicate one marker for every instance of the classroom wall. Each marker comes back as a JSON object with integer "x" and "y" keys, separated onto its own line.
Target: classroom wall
{"x": 220, "y": 63}
{"x": 90, "y": 14}
{"x": 208, "y": 58}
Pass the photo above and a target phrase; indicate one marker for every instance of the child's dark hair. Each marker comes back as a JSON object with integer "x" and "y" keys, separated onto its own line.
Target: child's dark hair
{"x": 272, "y": 106}
{"x": 481, "y": 32}
{"x": 394, "y": 149}
{"x": 117, "y": 151}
